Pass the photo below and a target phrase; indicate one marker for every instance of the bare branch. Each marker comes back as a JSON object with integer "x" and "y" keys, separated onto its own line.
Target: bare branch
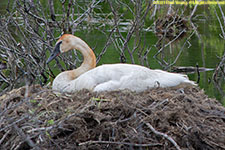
{"x": 164, "y": 135}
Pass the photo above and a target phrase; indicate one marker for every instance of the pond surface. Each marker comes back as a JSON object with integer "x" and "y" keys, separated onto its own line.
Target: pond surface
{"x": 204, "y": 49}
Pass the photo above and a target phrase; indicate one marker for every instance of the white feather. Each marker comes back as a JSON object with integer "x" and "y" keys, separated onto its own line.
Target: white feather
{"x": 121, "y": 76}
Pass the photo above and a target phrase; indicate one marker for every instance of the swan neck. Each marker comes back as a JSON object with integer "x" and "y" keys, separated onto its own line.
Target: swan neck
{"x": 89, "y": 59}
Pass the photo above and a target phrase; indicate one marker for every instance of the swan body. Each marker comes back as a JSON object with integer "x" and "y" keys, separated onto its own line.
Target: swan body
{"x": 108, "y": 77}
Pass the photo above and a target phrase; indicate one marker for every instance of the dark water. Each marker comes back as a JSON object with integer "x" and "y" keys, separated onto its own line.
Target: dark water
{"x": 204, "y": 49}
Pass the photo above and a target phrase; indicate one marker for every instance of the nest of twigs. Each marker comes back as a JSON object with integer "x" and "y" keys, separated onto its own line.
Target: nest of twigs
{"x": 169, "y": 118}
{"x": 171, "y": 27}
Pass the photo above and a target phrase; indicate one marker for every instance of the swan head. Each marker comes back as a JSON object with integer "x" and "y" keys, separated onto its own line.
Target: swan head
{"x": 68, "y": 42}
{"x": 64, "y": 44}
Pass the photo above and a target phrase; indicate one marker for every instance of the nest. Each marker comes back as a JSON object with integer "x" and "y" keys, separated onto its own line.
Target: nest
{"x": 168, "y": 118}
{"x": 171, "y": 27}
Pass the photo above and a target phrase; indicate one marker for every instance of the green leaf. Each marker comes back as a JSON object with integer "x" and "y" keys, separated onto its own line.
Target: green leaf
{"x": 51, "y": 122}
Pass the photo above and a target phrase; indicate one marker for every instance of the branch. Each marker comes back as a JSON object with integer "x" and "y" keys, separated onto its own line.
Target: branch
{"x": 164, "y": 135}
{"x": 119, "y": 143}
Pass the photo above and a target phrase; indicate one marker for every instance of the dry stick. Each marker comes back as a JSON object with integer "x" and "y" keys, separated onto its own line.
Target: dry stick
{"x": 46, "y": 28}
{"x": 141, "y": 51}
{"x": 137, "y": 39}
{"x": 52, "y": 10}
{"x": 129, "y": 34}
{"x": 140, "y": 23}
{"x": 143, "y": 18}
{"x": 40, "y": 129}
{"x": 20, "y": 103}
{"x": 3, "y": 77}
{"x": 35, "y": 16}
{"x": 170, "y": 11}
{"x": 221, "y": 26}
{"x": 134, "y": 27}
{"x": 8, "y": 6}
{"x": 119, "y": 143}
{"x": 181, "y": 50}
{"x": 25, "y": 137}
{"x": 63, "y": 16}
{"x": 219, "y": 88}
{"x": 161, "y": 49}
{"x": 106, "y": 45}
{"x": 86, "y": 12}
{"x": 128, "y": 37}
{"x": 223, "y": 20}
{"x": 126, "y": 6}
{"x": 193, "y": 12}
{"x": 223, "y": 58}
{"x": 164, "y": 135}
{"x": 28, "y": 42}
{"x": 222, "y": 62}
{"x": 199, "y": 37}
{"x": 170, "y": 42}
{"x": 162, "y": 61}
{"x": 4, "y": 136}
{"x": 222, "y": 70}
{"x": 195, "y": 29}
{"x": 154, "y": 12}
{"x": 12, "y": 55}
{"x": 145, "y": 57}
{"x": 155, "y": 105}
{"x": 26, "y": 31}
{"x": 20, "y": 132}
{"x": 68, "y": 16}
{"x": 116, "y": 23}
{"x": 14, "y": 122}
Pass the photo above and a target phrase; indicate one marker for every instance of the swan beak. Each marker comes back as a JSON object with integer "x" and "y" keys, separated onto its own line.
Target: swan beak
{"x": 55, "y": 53}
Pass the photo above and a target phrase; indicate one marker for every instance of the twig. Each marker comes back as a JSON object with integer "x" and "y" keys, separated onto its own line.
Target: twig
{"x": 193, "y": 12}
{"x": 13, "y": 123}
{"x": 164, "y": 135}
{"x": 222, "y": 19}
{"x": 221, "y": 26}
{"x": 25, "y": 137}
{"x": 219, "y": 67}
{"x": 40, "y": 129}
{"x": 170, "y": 42}
{"x": 52, "y": 11}
{"x": 86, "y": 12}
{"x": 155, "y": 105}
{"x": 181, "y": 50}
{"x": 4, "y": 136}
{"x": 106, "y": 45}
{"x": 120, "y": 143}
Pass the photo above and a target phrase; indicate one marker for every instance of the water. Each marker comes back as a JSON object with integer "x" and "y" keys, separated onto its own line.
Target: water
{"x": 204, "y": 48}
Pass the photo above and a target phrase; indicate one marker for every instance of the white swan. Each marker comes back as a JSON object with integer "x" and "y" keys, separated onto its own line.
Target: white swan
{"x": 107, "y": 77}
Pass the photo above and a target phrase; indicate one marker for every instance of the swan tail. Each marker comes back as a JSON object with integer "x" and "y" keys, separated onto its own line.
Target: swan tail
{"x": 190, "y": 82}
{"x": 187, "y": 82}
